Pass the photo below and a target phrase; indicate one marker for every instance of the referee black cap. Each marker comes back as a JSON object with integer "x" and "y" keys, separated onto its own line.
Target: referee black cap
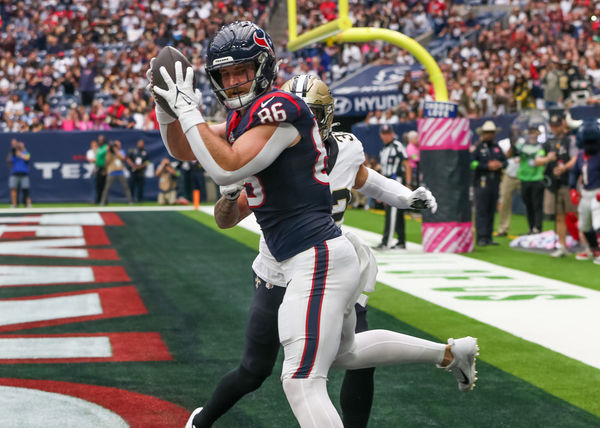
{"x": 386, "y": 129}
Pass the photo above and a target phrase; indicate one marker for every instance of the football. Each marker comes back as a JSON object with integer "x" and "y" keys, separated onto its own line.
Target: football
{"x": 167, "y": 57}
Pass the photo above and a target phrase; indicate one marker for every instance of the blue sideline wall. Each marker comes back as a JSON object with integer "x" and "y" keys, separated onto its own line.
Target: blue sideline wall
{"x": 59, "y": 171}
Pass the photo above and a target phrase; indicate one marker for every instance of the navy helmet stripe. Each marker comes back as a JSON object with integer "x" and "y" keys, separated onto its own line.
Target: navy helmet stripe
{"x": 313, "y": 314}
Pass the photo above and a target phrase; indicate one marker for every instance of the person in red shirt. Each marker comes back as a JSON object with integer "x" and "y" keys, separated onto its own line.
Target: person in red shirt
{"x": 328, "y": 10}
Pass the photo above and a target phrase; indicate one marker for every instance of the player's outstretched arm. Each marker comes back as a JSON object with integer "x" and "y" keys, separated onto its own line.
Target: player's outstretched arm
{"x": 252, "y": 152}
{"x": 177, "y": 143}
{"x": 171, "y": 132}
{"x": 374, "y": 185}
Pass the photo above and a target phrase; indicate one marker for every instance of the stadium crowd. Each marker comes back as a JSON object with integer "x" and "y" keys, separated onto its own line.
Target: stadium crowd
{"x": 79, "y": 65}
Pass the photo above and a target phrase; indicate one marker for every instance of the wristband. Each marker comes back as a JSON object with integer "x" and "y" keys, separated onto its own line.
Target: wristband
{"x": 191, "y": 118}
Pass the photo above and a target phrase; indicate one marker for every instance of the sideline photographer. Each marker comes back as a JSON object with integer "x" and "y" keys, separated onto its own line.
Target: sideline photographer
{"x": 115, "y": 170}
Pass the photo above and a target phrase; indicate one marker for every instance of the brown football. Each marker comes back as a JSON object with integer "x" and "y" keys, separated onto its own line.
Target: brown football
{"x": 167, "y": 57}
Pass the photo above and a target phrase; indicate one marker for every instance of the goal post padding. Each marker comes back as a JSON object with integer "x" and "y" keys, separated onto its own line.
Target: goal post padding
{"x": 444, "y": 145}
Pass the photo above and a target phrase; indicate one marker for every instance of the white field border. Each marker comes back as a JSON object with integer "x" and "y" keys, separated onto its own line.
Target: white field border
{"x": 522, "y": 304}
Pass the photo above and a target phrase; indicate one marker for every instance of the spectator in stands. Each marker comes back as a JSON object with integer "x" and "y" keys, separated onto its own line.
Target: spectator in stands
{"x": 18, "y": 160}
{"x": 467, "y": 106}
{"x": 484, "y": 99}
{"x": 167, "y": 182}
{"x": 551, "y": 77}
{"x": 390, "y": 117}
{"x": 98, "y": 116}
{"x": 50, "y": 119}
{"x": 522, "y": 93}
{"x": 84, "y": 122}
{"x": 375, "y": 118}
{"x": 14, "y": 107}
{"x": 87, "y": 86}
{"x": 69, "y": 122}
{"x": 503, "y": 97}
{"x": 138, "y": 162}
{"x": 115, "y": 114}
{"x": 69, "y": 83}
{"x": 115, "y": 171}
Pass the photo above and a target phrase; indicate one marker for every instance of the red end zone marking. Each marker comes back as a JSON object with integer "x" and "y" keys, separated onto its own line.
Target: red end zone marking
{"x": 95, "y": 235}
{"x": 18, "y": 235}
{"x": 138, "y": 410}
{"x": 116, "y": 302}
{"x": 110, "y": 274}
{"x": 125, "y": 347}
{"x": 102, "y": 254}
{"x": 111, "y": 219}
{"x": 100, "y": 274}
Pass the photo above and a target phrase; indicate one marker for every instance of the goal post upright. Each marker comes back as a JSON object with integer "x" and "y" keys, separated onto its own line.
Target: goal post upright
{"x": 340, "y": 30}
{"x": 367, "y": 34}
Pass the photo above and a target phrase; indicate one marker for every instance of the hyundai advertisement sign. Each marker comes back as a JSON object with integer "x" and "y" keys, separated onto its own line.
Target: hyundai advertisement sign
{"x": 374, "y": 87}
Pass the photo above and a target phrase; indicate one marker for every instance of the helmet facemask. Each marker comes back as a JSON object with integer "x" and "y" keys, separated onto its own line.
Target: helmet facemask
{"x": 259, "y": 83}
{"x": 324, "y": 115}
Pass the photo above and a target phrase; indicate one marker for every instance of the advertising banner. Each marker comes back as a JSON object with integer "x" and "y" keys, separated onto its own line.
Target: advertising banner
{"x": 60, "y": 172}
{"x": 374, "y": 87}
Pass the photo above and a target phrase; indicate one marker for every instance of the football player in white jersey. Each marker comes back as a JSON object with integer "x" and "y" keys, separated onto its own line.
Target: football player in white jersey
{"x": 358, "y": 354}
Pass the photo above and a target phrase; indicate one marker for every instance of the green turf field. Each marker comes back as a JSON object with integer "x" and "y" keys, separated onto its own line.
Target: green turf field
{"x": 196, "y": 284}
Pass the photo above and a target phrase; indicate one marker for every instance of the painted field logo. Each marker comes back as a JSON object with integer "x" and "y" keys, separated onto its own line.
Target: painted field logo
{"x": 71, "y": 236}
{"x": 68, "y": 236}
{"x": 40, "y": 402}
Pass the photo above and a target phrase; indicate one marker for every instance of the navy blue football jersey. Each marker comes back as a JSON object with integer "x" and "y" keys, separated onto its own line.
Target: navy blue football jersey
{"x": 291, "y": 197}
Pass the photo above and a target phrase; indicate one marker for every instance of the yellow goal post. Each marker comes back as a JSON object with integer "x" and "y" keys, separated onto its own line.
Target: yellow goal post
{"x": 340, "y": 30}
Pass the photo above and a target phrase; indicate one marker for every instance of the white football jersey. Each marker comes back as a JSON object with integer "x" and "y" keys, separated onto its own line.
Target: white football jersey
{"x": 350, "y": 156}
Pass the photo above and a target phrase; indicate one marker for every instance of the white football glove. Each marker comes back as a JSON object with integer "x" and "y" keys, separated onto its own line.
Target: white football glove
{"x": 232, "y": 192}
{"x": 421, "y": 198}
{"x": 181, "y": 96}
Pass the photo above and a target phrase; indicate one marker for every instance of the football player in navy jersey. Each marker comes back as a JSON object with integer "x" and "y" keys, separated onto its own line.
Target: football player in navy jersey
{"x": 274, "y": 139}
{"x": 346, "y": 171}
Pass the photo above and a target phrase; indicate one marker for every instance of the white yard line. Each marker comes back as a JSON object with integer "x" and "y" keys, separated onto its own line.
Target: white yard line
{"x": 555, "y": 314}
{"x": 108, "y": 208}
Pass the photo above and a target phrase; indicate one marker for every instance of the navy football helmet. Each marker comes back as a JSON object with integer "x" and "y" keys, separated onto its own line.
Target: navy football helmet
{"x": 588, "y": 137}
{"x": 237, "y": 43}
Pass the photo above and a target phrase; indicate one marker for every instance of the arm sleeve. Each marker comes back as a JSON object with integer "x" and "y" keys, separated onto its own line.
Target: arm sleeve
{"x": 574, "y": 174}
{"x": 282, "y": 138}
{"x": 163, "y": 134}
{"x": 385, "y": 189}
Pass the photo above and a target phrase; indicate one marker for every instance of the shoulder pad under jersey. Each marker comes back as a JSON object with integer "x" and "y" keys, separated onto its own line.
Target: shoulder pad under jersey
{"x": 276, "y": 106}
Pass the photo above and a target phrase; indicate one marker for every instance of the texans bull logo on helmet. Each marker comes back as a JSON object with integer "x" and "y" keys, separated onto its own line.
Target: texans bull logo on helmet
{"x": 262, "y": 41}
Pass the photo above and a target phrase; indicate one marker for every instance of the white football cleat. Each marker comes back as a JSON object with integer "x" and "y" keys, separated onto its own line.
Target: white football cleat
{"x": 188, "y": 424}
{"x": 462, "y": 366}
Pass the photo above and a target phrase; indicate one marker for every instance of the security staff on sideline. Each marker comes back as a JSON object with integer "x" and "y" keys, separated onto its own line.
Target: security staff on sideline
{"x": 487, "y": 162}
{"x": 395, "y": 165}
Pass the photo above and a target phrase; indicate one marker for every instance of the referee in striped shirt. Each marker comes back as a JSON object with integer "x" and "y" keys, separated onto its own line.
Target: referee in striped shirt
{"x": 395, "y": 165}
